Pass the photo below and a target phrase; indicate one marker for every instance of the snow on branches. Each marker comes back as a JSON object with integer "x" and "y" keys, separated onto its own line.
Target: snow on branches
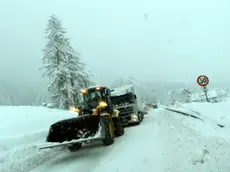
{"x": 63, "y": 66}
{"x": 180, "y": 95}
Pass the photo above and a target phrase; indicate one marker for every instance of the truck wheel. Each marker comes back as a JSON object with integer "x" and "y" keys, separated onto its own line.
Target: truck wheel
{"x": 108, "y": 128}
{"x": 75, "y": 147}
{"x": 119, "y": 128}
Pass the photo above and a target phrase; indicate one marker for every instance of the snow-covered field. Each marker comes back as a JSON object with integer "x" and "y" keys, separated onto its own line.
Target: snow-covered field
{"x": 165, "y": 142}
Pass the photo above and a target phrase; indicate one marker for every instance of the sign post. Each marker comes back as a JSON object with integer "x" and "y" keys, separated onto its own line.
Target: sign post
{"x": 203, "y": 81}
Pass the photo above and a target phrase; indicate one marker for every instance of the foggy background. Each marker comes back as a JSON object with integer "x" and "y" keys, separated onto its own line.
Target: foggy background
{"x": 163, "y": 44}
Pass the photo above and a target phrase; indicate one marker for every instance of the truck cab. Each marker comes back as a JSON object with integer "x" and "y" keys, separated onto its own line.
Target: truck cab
{"x": 124, "y": 99}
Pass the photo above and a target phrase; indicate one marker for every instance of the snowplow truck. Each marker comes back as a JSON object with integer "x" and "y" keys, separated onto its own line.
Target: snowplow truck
{"x": 97, "y": 120}
{"x": 125, "y": 100}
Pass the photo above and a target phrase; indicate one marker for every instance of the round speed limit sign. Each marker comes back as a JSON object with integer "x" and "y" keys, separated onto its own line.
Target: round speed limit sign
{"x": 203, "y": 80}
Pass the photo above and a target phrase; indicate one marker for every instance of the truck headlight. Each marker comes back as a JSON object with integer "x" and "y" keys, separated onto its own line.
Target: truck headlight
{"x": 103, "y": 104}
{"x": 134, "y": 116}
{"x": 74, "y": 109}
{"x": 84, "y": 91}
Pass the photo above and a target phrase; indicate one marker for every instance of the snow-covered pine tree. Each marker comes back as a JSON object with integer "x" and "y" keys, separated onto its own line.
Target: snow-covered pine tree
{"x": 63, "y": 67}
{"x": 80, "y": 78}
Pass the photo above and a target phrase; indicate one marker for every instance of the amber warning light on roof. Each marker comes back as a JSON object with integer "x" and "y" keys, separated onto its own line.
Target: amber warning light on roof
{"x": 83, "y": 91}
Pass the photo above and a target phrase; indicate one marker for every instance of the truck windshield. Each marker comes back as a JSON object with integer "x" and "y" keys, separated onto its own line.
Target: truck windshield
{"x": 127, "y": 98}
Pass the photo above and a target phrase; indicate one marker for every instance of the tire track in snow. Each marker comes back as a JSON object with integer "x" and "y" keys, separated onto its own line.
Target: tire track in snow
{"x": 140, "y": 150}
{"x": 97, "y": 157}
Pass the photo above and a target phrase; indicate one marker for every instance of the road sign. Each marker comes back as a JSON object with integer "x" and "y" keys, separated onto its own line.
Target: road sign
{"x": 203, "y": 80}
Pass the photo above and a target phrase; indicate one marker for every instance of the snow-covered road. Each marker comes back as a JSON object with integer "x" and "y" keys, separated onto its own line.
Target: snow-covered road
{"x": 132, "y": 152}
{"x": 161, "y": 143}
{"x": 164, "y": 142}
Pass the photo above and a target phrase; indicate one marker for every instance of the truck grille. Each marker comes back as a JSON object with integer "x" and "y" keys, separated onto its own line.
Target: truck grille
{"x": 125, "y": 111}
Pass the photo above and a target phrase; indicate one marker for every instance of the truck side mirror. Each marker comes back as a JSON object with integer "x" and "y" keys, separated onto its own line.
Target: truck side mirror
{"x": 135, "y": 97}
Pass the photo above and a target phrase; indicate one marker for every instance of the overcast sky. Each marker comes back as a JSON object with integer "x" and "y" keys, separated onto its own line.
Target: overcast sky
{"x": 174, "y": 40}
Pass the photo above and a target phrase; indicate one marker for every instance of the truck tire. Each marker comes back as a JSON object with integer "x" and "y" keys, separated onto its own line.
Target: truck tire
{"x": 108, "y": 128}
{"x": 119, "y": 128}
{"x": 138, "y": 123}
{"x": 75, "y": 147}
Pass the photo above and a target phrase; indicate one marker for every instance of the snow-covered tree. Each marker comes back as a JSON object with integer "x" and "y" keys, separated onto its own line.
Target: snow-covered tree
{"x": 63, "y": 66}
{"x": 180, "y": 95}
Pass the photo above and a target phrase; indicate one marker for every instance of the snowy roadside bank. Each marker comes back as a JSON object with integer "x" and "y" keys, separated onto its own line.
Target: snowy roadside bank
{"x": 23, "y": 128}
{"x": 214, "y": 115}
